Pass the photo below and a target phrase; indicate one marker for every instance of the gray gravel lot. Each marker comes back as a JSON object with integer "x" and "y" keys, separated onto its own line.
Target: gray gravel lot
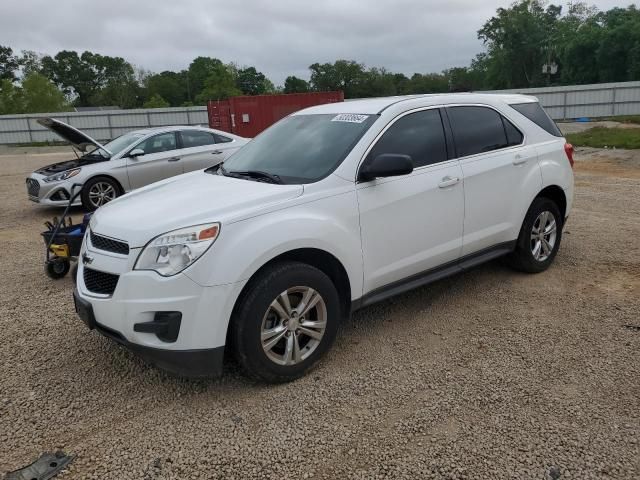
{"x": 490, "y": 374}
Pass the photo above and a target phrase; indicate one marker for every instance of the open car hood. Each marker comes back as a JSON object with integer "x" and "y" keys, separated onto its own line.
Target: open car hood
{"x": 71, "y": 134}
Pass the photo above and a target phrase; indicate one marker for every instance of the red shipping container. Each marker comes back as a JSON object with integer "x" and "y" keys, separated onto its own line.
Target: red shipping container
{"x": 248, "y": 116}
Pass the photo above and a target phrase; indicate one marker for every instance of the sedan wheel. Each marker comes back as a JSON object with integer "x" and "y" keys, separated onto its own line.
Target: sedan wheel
{"x": 101, "y": 193}
{"x": 293, "y": 325}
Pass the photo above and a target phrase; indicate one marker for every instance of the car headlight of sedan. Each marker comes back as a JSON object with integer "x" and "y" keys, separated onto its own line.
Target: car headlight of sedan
{"x": 58, "y": 177}
{"x": 172, "y": 252}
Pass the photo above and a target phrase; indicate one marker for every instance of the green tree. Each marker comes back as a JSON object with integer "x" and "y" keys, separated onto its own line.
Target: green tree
{"x": 40, "y": 95}
{"x": 169, "y": 85}
{"x": 8, "y": 64}
{"x": 219, "y": 85}
{"x": 519, "y": 42}
{"x": 156, "y": 101}
{"x": 199, "y": 71}
{"x": 345, "y": 75}
{"x": 11, "y": 100}
{"x": 30, "y": 62}
{"x": 85, "y": 76}
{"x": 252, "y": 82}
{"x": 293, "y": 84}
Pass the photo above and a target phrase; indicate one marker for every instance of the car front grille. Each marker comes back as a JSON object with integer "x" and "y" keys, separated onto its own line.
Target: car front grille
{"x": 109, "y": 244}
{"x": 100, "y": 282}
{"x": 33, "y": 187}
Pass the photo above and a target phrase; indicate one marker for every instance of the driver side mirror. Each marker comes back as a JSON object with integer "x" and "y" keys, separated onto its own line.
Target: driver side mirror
{"x": 136, "y": 152}
{"x": 386, "y": 165}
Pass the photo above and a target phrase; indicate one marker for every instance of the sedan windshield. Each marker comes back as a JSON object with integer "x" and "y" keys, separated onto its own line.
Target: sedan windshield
{"x": 299, "y": 148}
{"x": 117, "y": 144}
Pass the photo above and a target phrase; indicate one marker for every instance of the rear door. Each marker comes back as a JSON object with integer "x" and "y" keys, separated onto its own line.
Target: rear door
{"x": 203, "y": 149}
{"x": 160, "y": 160}
{"x": 501, "y": 175}
{"x": 412, "y": 223}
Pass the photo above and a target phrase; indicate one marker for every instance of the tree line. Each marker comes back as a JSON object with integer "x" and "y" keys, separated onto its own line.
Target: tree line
{"x": 529, "y": 44}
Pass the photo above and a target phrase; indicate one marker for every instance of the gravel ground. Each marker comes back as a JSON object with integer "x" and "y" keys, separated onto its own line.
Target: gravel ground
{"x": 490, "y": 374}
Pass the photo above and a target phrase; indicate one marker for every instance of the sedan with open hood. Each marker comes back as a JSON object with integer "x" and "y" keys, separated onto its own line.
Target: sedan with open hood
{"x": 135, "y": 159}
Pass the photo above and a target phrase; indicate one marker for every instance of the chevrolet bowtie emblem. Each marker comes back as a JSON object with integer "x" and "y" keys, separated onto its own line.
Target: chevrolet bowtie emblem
{"x": 86, "y": 259}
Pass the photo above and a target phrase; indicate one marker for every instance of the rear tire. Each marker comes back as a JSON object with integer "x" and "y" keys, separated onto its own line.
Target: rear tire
{"x": 99, "y": 191}
{"x": 285, "y": 322}
{"x": 539, "y": 238}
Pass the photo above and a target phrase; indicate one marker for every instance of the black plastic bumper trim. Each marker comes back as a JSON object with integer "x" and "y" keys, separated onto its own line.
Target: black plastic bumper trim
{"x": 205, "y": 362}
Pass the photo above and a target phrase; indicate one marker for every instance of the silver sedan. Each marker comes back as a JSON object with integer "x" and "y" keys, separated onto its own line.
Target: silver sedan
{"x": 127, "y": 162}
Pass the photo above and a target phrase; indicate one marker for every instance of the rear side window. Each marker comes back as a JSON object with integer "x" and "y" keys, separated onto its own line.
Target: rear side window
{"x": 534, "y": 112}
{"x": 477, "y": 130}
{"x": 222, "y": 138}
{"x": 420, "y": 135}
{"x": 514, "y": 136}
{"x": 196, "y": 138}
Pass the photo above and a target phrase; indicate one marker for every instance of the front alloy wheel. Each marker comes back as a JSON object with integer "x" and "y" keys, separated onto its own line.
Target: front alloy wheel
{"x": 285, "y": 321}
{"x": 293, "y": 325}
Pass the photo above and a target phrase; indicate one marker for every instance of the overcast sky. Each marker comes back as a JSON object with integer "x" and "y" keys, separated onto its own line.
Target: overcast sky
{"x": 278, "y": 37}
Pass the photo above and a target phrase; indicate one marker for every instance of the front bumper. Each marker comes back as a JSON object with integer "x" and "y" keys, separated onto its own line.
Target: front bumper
{"x": 137, "y": 299}
{"x": 205, "y": 362}
{"x": 51, "y": 194}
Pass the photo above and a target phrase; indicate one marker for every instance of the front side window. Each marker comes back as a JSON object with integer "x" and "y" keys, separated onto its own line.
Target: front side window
{"x": 196, "y": 138}
{"x": 301, "y": 148}
{"x": 158, "y": 143}
{"x": 419, "y": 135}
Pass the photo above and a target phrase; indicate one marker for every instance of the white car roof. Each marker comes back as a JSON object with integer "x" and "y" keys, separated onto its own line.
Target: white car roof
{"x": 374, "y": 106}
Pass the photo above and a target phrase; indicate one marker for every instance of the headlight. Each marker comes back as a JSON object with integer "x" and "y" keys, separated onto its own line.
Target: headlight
{"x": 172, "y": 252}
{"x": 62, "y": 176}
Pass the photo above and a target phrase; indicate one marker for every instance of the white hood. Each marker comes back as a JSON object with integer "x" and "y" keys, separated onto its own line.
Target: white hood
{"x": 190, "y": 199}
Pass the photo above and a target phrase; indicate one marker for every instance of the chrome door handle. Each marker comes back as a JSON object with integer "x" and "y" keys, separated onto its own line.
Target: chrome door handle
{"x": 174, "y": 159}
{"x": 216, "y": 152}
{"x": 448, "y": 181}
{"x": 519, "y": 160}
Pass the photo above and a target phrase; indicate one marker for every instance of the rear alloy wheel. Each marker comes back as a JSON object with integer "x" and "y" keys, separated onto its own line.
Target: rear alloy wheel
{"x": 539, "y": 238}
{"x": 285, "y": 321}
{"x": 99, "y": 191}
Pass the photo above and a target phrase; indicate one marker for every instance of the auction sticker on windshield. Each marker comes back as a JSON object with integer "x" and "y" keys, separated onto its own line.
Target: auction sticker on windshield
{"x": 350, "y": 118}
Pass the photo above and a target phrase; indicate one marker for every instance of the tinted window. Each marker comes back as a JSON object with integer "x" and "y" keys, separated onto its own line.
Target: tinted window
{"x": 302, "y": 148}
{"x": 514, "y": 136}
{"x": 534, "y": 112}
{"x": 196, "y": 138}
{"x": 419, "y": 135}
{"x": 476, "y": 130}
{"x": 221, "y": 138}
{"x": 159, "y": 143}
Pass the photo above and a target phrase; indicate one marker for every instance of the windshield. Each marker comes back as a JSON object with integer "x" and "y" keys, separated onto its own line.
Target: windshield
{"x": 301, "y": 148}
{"x": 117, "y": 144}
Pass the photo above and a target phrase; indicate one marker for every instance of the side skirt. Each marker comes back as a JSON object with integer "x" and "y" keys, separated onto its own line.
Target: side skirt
{"x": 462, "y": 264}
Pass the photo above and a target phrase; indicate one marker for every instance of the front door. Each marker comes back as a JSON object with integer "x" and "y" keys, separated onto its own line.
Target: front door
{"x": 413, "y": 223}
{"x": 161, "y": 160}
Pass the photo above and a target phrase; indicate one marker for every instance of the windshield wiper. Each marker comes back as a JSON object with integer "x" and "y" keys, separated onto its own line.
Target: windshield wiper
{"x": 255, "y": 174}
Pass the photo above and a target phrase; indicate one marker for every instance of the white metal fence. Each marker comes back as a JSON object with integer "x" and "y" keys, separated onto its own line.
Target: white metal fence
{"x": 577, "y": 101}
{"x": 101, "y": 125}
{"x": 598, "y": 100}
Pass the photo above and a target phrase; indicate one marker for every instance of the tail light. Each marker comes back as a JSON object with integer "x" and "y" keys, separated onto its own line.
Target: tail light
{"x": 568, "y": 149}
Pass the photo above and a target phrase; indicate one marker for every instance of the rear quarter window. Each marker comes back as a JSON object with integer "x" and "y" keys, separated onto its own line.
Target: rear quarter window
{"x": 534, "y": 112}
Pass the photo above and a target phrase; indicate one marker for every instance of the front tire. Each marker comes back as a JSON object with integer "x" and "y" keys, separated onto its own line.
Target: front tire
{"x": 539, "y": 238}
{"x": 99, "y": 191}
{"x": 285, "y": 322}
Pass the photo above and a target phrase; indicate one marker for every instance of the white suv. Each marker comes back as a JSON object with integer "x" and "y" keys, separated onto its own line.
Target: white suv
{"x": 331, "y": 209}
